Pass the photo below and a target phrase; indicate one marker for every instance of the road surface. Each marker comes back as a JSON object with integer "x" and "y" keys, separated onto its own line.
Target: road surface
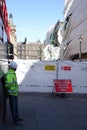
{"x": 49, "y": 112}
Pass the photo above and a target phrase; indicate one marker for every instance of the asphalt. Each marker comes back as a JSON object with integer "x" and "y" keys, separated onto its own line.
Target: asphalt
{"x": 42, "y": 111}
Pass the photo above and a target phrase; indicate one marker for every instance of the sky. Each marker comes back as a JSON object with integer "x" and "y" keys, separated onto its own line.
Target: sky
{"x": 33, "y": 17}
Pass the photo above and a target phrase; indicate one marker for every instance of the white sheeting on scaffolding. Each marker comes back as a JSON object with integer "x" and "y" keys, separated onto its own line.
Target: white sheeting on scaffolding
{"x": 33, "y": 76}
{"x": 51, "y": 52}
{"x": 76, "y": 72}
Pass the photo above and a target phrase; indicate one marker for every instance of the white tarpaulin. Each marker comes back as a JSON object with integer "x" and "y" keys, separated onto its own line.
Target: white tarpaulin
{"x": 76, "y": 72}
{"x": 38, "y": 76}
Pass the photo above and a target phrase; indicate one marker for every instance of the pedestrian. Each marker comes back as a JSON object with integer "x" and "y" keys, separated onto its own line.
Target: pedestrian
{"x": 11, "y": 87}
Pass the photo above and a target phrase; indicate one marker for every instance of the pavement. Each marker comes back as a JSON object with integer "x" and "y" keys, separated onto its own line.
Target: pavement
{"x": 43, "y": 111}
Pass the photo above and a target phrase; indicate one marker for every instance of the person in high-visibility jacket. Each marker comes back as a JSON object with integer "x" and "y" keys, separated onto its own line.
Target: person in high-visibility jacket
{"x": 11, "y": 87}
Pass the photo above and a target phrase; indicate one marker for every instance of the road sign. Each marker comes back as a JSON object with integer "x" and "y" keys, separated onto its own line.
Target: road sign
{"x": 63, "y": 85}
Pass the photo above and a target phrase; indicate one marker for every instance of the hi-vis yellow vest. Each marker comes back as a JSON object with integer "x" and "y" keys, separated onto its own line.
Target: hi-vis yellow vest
{"x": 11, "y": 84}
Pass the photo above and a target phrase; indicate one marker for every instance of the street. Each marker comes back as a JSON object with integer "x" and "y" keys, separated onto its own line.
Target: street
{"x": 49, "y": 112}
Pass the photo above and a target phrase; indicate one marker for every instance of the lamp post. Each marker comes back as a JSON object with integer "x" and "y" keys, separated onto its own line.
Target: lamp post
{"x": 80, "y": 42}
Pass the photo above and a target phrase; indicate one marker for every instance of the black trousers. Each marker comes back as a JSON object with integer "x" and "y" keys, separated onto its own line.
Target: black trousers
{"x": 13, "y": 101}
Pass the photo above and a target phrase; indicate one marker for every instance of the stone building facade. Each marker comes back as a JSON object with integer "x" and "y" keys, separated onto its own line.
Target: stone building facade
{"x": 74, "y": 32}
{"x": 13, "y": 37}
{"x": 32, "y": 50}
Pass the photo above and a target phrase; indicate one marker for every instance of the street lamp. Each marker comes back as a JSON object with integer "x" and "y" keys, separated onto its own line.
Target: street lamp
{"x": 80, "y": 41}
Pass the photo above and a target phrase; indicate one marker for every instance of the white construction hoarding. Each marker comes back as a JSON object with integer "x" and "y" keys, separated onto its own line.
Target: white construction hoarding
{"x": 38, "y": 76}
